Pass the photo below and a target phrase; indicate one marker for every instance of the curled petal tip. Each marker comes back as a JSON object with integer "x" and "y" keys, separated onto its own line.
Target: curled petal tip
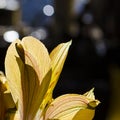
{"x": 70, "y": 42}
{"x": 94, "y": 103}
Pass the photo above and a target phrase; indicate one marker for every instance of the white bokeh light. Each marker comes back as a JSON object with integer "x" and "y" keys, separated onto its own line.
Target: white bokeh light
{"x": 12, "y": 5}
{"x": 2, "y": 4}
{"x": 9, "y": 4}
{"x": 40, "y": 34}
{"x": 10, "y": 36}
{"x": 48, "y": 10}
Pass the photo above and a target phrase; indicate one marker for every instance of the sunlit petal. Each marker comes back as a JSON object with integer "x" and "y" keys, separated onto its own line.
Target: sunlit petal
{"x": 39, "y": 53}
{"x": 26, "y": 77}
{"x": 69, "y": 106}
{"x": 58, "y": 57}
{"x": 13, "y": 71}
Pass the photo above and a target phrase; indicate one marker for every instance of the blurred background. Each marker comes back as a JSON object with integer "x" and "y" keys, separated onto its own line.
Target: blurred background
{"x": 93, "y": 59}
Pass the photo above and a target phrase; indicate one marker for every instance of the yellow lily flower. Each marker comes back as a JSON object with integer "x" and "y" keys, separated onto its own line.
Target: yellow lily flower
{"x": 32, "y": 75}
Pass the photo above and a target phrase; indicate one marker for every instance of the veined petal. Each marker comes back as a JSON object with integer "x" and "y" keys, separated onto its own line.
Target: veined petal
{"x": 39, "y": 53}
{"x": 58, "y": 57}
{"x": 69, "y": 106}
{"x": 12, "y": 71}
{"x": 90, "y": 94}
{"x": 89, "y": 112}
{"x": 27, "y": 66}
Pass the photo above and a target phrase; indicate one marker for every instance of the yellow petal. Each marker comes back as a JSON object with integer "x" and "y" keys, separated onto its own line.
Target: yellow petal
{"x": 90, "y": 95}
{"x": 39, "y": 52}
{"x": 2, "y": 104}
{"x": 85, "y": 114}
{"x": 27, "y": 77}
{"x": 14, "y": 116}
{"x": 6, "y": 100}
{"x": 67, "y": 106}
{"x": 3, "y": 81}
{"x": 58, "y": 57}
{"x": 12, "y": 71}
